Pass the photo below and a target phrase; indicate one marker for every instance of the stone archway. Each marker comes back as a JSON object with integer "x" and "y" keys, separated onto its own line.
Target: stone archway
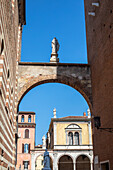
{"x": 75, "y": 75}
{"x": 83, "y": 163}
{"x": 39, "y": 154}
{"x": 39, "y": 163}
{"x": 65, "y": 163}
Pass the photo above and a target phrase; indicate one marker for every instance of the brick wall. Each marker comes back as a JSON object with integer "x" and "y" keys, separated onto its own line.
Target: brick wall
{"x": 99, "y": 29}
{"x": 9, "y": 29}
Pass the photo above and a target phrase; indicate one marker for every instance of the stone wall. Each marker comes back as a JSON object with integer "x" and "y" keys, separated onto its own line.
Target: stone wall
{"x": 74, "y": 75}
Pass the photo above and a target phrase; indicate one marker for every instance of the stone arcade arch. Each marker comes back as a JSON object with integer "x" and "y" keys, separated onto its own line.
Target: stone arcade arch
{"x": 36, "y": 154}
{"x": 83, "y": 163}
{"x": 74, "y": 75}
{"x": 65, "y": 163}
{"x": 57, "y": 155}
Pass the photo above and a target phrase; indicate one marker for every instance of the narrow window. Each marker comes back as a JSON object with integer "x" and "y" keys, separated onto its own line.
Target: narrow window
{"x": 2, "y": 47}
{"x": 42, "y": 163}
{"x": 26, "y": 163}
{"x": 70, "y": 138}
{"x": 27, "y": 133}
{"x": 8, "y": 74}
{"x": 76, "y": 138}
{"x": 29, "y": 118}
{"x": 22, "y": 118}
{"x": 26, "y": 148}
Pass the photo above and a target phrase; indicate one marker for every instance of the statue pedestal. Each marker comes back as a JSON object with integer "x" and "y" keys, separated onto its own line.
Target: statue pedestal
{"x": 46, "y": 168}
{"x": 54, "y": 58}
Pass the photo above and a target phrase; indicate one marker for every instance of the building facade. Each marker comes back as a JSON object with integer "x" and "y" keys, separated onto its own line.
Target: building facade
{"x": 26, "y": 139}
{"x": 99, "y": 31}
{"x": 11, "y": 21}
{"x": 69, "y": 142}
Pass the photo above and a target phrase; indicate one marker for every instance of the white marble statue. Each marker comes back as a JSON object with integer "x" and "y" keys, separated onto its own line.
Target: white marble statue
{"x": 55, "y": 46}
{"x": 54, "y": 113}
{"x": 44, "y": 142}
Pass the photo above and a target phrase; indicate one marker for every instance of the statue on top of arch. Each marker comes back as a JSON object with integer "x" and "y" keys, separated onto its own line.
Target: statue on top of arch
{"x": 55, "y": 46}
{"x": 55, "y": 49}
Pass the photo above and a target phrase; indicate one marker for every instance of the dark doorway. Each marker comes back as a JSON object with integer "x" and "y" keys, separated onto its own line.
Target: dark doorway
{"x": 105, "y": 166}
{"x": 65, "y": 163}
{"x": 83, "y": 163}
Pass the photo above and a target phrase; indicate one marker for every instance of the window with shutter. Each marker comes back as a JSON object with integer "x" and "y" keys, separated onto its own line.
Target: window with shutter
{"x": 26, "y": 148}
{"x": 29, "y": 118}
{"x": 22, "y": 118}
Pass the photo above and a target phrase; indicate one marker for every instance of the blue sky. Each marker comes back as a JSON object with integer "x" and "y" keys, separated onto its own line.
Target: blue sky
{"x": 46, "y": 19}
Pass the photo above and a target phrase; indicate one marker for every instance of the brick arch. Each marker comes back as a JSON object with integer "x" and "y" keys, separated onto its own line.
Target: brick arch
{"x": 67, "y": 80}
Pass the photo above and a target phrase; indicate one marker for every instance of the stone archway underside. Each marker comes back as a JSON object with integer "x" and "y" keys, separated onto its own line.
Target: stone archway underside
{"x": 75, "y": 75}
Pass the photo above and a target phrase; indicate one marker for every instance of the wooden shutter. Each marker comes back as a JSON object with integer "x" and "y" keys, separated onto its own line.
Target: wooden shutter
{"x": 29, "y": 149}
{"x": 22, "y": 148}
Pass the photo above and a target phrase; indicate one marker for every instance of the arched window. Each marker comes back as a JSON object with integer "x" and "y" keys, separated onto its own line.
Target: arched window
{"x": 76, "y": 135}
{"x": 22, "y": 118}
{"x": 73, "y": 134}
{"x": 70, "y": 138}
{"x": 26, "y": 148}
{"x": 29, "y": 118}
{"x": 27, "y": 133}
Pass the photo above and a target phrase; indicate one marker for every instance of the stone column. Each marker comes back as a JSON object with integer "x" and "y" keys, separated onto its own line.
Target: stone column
{"x": 32, "y": 161}
{"x": 91, "y": 165}
{"x": 74, "y": 167}
{"x": 74, "y": 164}
{"x": 55, "y": 162}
